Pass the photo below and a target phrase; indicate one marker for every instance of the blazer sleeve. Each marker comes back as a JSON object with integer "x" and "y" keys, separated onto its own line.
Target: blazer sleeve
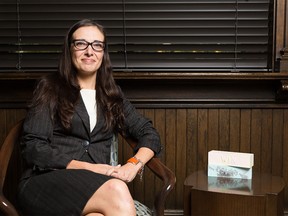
{"x": 141, "y": 129}
{"x": 36, "y": 140}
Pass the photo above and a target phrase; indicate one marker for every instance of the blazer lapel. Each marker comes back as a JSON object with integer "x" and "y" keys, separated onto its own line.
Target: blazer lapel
{"x": 100, "y": 120}
{"x": 83, "y": 114}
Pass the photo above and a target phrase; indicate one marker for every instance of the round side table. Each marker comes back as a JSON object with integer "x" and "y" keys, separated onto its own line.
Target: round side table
{"x": 263, "y": 195}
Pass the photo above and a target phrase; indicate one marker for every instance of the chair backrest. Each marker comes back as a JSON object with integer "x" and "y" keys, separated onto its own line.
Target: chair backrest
{"x": 114, "y": 151}
{"x": 10, "y": 158}
{"x": 12, "y": 166}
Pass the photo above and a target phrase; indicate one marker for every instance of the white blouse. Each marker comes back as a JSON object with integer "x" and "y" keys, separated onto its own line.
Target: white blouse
{"x": 89, "y": 98}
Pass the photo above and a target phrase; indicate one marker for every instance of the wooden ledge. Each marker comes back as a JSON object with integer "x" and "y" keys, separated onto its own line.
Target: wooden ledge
{"x": 22, "y": 75}
{"x": 201, "y": 75}
{"x": 172, "y": 89}
{"x": 162, "y": 75}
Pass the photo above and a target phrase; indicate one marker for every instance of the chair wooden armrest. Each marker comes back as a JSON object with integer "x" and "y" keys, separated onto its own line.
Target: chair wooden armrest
{"x": 6, "y": 207}
{"x": 7, "y": 148}
{"x": 165, "y": 174}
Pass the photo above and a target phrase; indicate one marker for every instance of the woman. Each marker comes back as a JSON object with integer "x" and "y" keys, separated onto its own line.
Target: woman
{"x": 68, "y": 131}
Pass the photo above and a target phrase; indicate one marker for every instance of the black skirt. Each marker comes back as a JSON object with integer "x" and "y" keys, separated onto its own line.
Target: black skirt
{"x": 59, "y": 192}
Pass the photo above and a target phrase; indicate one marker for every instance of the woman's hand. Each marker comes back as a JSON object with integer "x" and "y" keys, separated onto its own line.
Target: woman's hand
{"x": 104, "y": 169}
{"x": 126, "y": 172}
{"x": 112, "y": 169}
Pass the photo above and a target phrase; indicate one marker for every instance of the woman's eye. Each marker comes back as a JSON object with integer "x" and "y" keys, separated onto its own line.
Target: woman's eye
{"x": 97, "y": 45}
{"x": 81, "y": 44}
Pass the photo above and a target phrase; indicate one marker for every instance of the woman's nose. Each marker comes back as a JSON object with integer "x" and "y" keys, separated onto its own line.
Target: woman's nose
{"x": 89, "y": 50}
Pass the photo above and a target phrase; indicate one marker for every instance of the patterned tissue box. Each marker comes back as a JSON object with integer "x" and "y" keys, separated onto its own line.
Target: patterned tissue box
{"x": 230, "y": 164}
{"x": 229, "y": 171}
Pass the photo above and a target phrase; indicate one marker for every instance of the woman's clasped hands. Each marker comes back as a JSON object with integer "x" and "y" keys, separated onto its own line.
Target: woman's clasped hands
{"x": 126, "y": 172}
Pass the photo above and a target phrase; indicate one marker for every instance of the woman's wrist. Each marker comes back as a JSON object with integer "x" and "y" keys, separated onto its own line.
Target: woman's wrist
{"x": 75, "y": 164}
{"x": 137, "y": 162}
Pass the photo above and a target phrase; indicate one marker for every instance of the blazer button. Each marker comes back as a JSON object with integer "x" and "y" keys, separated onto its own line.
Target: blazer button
{"x": 85, "y": 143}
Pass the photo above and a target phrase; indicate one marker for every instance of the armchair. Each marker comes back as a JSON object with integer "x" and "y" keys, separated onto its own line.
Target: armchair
{"x": 11, "y": 167}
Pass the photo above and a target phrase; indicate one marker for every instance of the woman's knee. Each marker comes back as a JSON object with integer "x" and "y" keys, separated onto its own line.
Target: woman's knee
{"x": 120, "y": 191}
{"x": 117, "y": 187}
{"x": 112, "y": 197}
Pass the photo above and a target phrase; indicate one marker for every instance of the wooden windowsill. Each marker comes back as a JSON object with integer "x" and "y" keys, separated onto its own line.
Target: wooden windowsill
{"x": 164, "y": 75}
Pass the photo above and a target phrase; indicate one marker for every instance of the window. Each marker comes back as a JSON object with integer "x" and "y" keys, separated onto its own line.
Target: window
{"x": 143, "y": 35}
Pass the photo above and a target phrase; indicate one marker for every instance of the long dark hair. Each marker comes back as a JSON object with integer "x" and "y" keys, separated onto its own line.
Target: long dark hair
{"x": 61, "y": 91}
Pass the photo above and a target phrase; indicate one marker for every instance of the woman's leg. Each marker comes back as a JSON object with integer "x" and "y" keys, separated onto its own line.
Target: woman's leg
{"x": 112, "y": 198}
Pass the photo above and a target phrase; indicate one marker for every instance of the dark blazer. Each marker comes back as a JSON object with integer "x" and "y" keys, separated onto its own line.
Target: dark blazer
{"x": 48, "y": 146}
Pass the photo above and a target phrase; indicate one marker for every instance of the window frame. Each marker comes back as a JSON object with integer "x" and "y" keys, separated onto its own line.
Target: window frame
{"x": 165, "y": 70}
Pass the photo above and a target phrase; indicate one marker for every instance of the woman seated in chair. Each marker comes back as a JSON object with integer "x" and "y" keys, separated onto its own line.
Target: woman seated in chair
{"x": 68, "y": 131}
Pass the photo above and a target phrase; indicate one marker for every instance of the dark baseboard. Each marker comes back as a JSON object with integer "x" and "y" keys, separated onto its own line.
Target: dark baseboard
{"x": 170, "y": 212}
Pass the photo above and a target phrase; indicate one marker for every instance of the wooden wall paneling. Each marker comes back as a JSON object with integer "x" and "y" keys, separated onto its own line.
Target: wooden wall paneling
{"x": 234, "y": 121}
{"x": 256, "y": 134}
{"x": 266, "y": 144}
{"x": 245, "y": 130}
{"x": 159, "y": 124}
{"x": 202, "y": 139}
{"x": 14, "y": 115}
{"x": 285, "y": 153}
{"x": 277, "y": 142}
{"x": 149, "y": 190}
{"x": 170, "y": 149}
{"x": 224, "y": 125}
{"x": 213, "y": 129}
{"x": 187, "y": 135}
{"x": 192, "y": 140}
{"x": 181, "y": 135}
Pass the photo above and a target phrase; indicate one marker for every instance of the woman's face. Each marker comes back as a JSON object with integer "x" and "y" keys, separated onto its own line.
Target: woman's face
{"x": 86, "y": 59}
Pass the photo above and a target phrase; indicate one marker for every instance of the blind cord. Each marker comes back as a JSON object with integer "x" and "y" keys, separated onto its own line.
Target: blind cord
{"x": 236, "y": 37}
{"x": 125, "y": 34}
{"x": 19, "y": 35}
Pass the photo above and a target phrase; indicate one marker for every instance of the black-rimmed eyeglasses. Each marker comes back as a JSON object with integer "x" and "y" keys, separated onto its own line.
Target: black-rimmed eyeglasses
{"x": 83, "y": 44}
